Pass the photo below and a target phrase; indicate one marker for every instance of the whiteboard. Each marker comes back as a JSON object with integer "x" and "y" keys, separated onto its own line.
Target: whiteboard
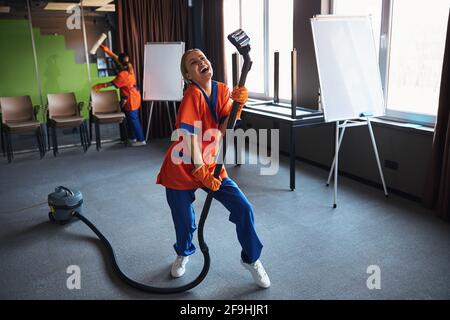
{"x": 349, "y": 75}
{"x": 162, "y": 76}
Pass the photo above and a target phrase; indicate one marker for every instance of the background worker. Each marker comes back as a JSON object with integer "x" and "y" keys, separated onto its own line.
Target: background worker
{"x": 130, "y": 95}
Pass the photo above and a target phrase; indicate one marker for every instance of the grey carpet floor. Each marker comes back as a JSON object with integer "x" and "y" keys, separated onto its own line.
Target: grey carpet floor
{"x": 311, "y": 251}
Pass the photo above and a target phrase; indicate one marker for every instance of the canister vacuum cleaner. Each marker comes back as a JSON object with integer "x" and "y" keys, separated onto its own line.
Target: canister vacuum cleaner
{"x": 66, "y": 204}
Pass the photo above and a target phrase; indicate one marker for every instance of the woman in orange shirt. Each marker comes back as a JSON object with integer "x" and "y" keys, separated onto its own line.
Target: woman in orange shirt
{"x": 206, "y": 105}
{"x": 130, "y": 96}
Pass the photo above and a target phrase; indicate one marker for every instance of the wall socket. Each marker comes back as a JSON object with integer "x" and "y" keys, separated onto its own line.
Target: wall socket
{"x": 391, "y": 164}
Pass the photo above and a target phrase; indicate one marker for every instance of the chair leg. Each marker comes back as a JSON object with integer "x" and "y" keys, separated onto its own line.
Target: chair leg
{"x": 2, "y": 141}
{"x": 44, "y": 141}
{"x": 55, "y": 142}
{"x": 9, "y": 149}
{"x": 80, "y": 128}
{"x": 90, "y": 131}
{"x": 97, "y": 136}
{"x": 39, "y": 142}
{"x": 121, "y": 132}
{"x": 80, "y": 131}
{"x": 42, "y": 137}
{"x": 48, "y": 137}
{"x": 125, "y": 131}
{"x": 5, "y": 141}
{"x": 85, "y": 135}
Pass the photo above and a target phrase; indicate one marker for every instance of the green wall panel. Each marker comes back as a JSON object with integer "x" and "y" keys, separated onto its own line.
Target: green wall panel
{"x": 58, "y": 69}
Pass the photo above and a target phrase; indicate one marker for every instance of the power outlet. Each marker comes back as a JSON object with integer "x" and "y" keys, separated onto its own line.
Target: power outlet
{"x": 391, "y": 164}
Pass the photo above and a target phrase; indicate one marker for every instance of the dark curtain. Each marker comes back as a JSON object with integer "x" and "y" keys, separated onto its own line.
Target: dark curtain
{"x": 214, "y": 37}
{"x": 142, "y": 21}
{"x": 437, "y": 194}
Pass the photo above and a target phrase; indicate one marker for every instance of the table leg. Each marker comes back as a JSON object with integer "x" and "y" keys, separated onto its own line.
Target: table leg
{"x": 292, "y": 157}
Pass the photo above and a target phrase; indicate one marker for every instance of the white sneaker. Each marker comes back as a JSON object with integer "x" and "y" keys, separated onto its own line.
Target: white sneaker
{"x": 259, "y": 274}
{"x": 132, "y": 140}
{"x": 179, "y": 266}
{"x": 138, "y": 143}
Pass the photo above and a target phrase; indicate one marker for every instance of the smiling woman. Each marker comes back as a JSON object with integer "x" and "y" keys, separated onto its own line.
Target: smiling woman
{"x": 206, "y": 106}
{"x": 195, "y": 67}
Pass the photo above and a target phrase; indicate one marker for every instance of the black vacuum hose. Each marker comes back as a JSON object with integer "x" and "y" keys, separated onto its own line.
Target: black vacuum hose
{"x": 138, "y": 285}
{"x": 241, "y": 41}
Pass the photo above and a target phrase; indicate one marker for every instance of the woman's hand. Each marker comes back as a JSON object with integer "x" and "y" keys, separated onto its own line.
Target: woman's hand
{"x": 207, "y": 178}
{"x": 99, "y": 86}
{"x": 240, "y": 95}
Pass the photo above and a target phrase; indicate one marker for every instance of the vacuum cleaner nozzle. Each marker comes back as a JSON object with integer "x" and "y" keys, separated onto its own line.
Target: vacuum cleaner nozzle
{"x": 98, "y": 43}
{"x": 240, "y": 40}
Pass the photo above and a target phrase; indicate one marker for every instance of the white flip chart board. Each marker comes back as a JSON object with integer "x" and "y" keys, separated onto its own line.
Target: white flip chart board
{"x": 162, "y": 76}
{"x": 349, "y": 75}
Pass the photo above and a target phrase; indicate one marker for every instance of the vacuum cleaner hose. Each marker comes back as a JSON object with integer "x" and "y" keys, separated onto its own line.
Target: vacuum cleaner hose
{"x": 138, "y": 285}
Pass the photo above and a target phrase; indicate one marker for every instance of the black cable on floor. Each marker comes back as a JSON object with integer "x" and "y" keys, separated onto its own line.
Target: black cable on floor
{"x": 23, "y": 209}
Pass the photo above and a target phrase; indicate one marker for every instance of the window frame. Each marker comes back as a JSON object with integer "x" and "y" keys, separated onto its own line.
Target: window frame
{"x": 266, "y": 94}
{"x": 384, "y": 63}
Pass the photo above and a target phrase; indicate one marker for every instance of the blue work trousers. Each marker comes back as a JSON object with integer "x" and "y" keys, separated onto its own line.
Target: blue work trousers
{"x": 134, "y": 125}
{"x": 241, "y": 214}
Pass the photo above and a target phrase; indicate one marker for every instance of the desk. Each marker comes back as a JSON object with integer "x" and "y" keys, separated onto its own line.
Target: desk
{"x": 282, "y": 113}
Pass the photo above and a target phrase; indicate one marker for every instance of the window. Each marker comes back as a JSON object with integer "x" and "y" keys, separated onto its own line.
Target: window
{"x": 281, "y": 14}
{"x": 411, "y": 57}
{"x": 416, "y": 56}
{"x": 231, "y": 23}
{"x": 269, "y": 24}
{"x": 366, "y": 7}
{"x": 253, "y": 24}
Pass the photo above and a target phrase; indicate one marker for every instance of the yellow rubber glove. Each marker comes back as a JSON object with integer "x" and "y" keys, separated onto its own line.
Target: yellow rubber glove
{"x": 240, "y": 95}
{"x": 99, "y": 86}
{"x": 203, "y": 175}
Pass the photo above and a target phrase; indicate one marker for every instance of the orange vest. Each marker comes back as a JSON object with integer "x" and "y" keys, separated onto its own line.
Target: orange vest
{"x": 196, "y": 109}
{"x": 126, "y": 82}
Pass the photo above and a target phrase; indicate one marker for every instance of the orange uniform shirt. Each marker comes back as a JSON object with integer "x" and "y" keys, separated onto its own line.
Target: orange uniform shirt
{"x": 197, "y": 114}
{"x": 126, "y": 82}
